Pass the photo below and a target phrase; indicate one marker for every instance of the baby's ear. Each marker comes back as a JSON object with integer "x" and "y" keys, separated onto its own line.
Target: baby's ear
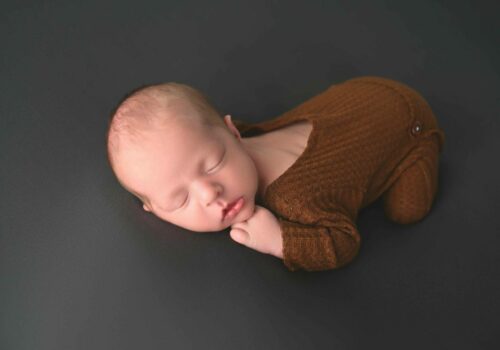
{"x": 231, "y": 126}
{"x": 145, "y": 207}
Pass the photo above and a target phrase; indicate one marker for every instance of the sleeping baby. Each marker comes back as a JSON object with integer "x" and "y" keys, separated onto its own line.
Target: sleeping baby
{"x": 291, "y": 186}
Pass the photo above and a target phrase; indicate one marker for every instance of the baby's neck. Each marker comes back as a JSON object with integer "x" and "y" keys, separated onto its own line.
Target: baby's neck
{"x": 276, "y": 151}
{"x": 259, "y": 148}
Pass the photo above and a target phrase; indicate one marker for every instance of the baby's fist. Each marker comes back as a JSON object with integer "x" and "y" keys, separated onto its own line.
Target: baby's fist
{"x": 260, "y": 232}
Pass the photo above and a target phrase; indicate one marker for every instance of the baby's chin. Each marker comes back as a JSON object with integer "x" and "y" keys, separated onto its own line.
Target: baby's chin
{"x": 244, "y": 215}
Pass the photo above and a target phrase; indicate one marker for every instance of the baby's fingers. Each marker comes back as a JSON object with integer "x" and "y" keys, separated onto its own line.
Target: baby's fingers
{"x": 239, "y": 235}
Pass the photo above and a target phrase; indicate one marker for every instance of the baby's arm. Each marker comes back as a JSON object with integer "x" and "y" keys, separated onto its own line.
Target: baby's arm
{"x": 331, "y": 243}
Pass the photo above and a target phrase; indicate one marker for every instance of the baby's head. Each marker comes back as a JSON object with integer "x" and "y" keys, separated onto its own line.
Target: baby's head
{"x": 168, "y": 146}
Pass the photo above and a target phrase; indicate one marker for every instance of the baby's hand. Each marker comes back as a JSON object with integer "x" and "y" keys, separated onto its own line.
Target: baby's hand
{"x": 261, "y": 232}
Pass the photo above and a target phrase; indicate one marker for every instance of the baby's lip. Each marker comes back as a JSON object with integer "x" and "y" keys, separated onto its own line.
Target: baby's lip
{"x": 228, "y": 206}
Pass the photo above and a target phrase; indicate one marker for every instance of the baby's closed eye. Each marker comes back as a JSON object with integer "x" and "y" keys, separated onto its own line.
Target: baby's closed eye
{"x": 219, "y": 163}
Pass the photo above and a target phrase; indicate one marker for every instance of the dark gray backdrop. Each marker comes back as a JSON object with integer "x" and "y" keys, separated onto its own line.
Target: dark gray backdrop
{"x": 83, "y": 267}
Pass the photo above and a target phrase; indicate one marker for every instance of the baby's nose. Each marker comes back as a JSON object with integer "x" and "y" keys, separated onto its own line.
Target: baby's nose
{"x": 209, "y": 193}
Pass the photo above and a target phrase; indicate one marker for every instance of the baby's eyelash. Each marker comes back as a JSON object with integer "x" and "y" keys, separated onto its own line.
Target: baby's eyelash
{"x": 183, "y": 204}
{"x": 215, "y": 167}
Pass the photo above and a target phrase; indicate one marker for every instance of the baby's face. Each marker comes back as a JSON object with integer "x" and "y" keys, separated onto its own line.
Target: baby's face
{"x": 187, "y": 176}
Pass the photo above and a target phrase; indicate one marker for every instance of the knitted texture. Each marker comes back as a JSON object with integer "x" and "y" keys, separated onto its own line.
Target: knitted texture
{"x": 371, "y": 137}
{"x": 410, "y": 198}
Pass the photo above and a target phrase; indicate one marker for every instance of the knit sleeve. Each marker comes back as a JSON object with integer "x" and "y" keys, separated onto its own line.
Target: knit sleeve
{"x": 329, "y": 244}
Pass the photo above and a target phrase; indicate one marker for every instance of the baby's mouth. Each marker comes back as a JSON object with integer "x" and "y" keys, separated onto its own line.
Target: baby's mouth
{"x": 229, "y": 207}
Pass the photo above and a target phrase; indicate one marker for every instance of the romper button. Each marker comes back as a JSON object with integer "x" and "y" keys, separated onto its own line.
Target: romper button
{"x": 417, "y": 128}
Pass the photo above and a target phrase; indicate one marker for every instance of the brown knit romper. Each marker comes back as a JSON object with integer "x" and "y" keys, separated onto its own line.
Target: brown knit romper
{"x": 410, "y": 197}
